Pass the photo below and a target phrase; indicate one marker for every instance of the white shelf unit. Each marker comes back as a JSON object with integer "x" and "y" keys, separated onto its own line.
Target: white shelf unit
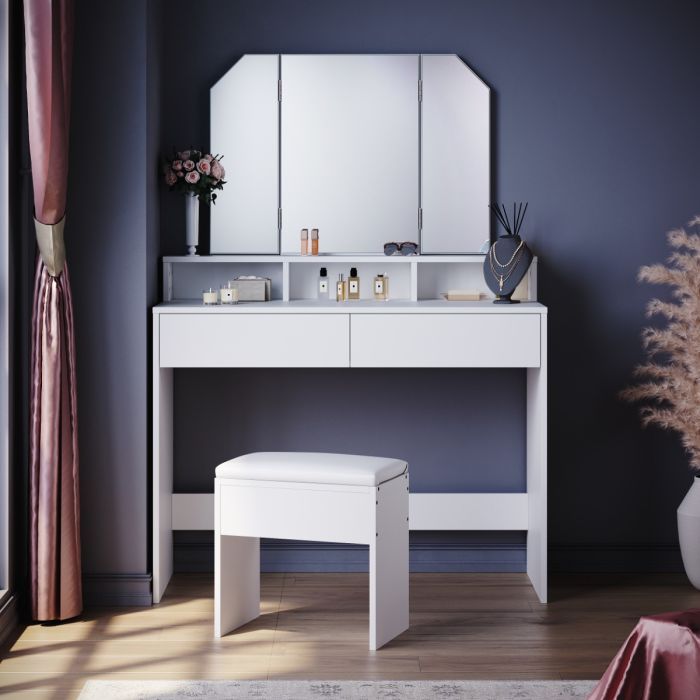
{"x": 417, "y": 331}
{"x": 295, "y": 277}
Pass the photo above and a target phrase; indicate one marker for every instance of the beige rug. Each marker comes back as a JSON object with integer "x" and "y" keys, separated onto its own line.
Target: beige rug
{"x": 353, "y": 690}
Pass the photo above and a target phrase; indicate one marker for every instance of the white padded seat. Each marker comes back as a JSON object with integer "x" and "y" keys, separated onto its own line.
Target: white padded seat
{"x": 313, "y": 468}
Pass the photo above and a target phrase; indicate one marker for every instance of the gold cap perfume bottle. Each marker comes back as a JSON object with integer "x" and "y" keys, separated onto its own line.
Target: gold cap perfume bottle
{"x": 340, "y": 288}
{"x": 381, "y": 288}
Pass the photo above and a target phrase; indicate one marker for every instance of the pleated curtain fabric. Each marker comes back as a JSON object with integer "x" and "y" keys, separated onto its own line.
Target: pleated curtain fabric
{"x": 55, "y": 568}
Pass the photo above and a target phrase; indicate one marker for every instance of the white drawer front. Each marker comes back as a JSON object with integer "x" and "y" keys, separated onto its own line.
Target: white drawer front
{"x": 445, "y": 340}
{"x": 254, "y": 340}
{"x": 298, "y": 513}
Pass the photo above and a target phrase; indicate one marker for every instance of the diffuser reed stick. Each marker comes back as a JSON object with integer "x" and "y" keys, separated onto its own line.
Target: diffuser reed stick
{"x": 501, "y": 214}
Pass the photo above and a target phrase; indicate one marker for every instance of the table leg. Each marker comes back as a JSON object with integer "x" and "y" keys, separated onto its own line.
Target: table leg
{"x": 537, "y": 470}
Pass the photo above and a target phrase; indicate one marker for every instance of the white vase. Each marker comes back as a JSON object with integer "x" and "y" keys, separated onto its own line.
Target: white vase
{"x": 191, "y": 223}
{"x": 689, "y": 532}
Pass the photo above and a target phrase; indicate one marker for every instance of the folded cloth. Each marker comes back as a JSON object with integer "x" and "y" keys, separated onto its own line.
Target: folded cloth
{"x": 660, "y": 660}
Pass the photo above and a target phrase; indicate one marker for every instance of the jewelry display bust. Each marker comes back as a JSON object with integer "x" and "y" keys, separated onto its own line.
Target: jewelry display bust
{"x": 505, "y": 267}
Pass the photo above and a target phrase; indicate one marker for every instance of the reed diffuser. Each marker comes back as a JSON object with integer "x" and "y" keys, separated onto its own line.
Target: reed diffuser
{"x": 502, "y": 215}
{"x": 508, "y": 258}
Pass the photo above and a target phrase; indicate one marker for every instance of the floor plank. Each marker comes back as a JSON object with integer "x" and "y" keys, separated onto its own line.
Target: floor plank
{"x": 463, "y": 626}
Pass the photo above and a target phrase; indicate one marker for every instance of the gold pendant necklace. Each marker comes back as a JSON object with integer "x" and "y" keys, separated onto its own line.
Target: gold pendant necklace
{"x": 515, "y": 252}
{"x": 499, "y": 275}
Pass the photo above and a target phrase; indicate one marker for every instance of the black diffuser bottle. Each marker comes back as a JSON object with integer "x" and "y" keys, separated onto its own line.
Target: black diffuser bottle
{"x": 509, "y": 258}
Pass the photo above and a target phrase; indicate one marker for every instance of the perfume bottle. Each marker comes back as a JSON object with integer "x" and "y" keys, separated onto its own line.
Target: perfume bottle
{"x": 323, "y": 284}
{"x": 314, "y": 241}
{"x": 381, "y": 288}
{"x": 227, "y": 292}
{"x": 341, "y": 289}
{"x": 305, "y": 241}
{"x": 353, "y": 284}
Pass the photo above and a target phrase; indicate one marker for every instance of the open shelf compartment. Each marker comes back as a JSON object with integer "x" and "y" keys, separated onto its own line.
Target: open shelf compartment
{"x": 295, "y": 277}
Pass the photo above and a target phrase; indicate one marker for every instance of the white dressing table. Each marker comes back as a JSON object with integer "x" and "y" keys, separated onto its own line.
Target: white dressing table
{"x": 370, "y": 149}
{"x": 306, "y": 333}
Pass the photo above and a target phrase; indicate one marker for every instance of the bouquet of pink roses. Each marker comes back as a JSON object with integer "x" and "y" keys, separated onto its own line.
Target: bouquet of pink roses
{"x": 196, "y": 173}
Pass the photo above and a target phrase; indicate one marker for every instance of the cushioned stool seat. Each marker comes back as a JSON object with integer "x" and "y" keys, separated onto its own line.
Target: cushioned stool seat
{"x": 311, "y": 496}
{"x": 313, "y": 468}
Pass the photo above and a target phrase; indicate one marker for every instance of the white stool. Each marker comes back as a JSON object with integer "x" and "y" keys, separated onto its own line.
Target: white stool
{"x": 311, "y": 496}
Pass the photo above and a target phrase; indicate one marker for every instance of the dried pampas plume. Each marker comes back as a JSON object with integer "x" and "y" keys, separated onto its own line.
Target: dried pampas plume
{"x": 670, "y": 379}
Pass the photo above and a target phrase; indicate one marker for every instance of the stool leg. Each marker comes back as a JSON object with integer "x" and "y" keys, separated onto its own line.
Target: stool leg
{"x": 236, "y": 579}
{"x": 388, "y": 564}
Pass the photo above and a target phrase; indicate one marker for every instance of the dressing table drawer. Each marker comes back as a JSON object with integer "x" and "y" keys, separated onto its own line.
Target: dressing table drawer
{"x": 445, "y": 340}
{"x": 254, "y": 340}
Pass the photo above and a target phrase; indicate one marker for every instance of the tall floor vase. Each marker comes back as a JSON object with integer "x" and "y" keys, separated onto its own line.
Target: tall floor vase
{"x": 191, "y": 223}
{"x": 689, "y": 532}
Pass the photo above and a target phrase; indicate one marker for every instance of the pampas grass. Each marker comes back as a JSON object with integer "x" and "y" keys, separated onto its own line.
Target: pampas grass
{"x": 669, "y": 385}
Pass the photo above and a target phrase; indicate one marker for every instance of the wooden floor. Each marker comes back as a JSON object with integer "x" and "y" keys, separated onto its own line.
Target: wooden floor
{"x": 478, "y": 626}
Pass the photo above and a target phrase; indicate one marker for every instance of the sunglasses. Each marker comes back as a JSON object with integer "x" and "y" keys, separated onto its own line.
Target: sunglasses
{"x": 405, "y": 248}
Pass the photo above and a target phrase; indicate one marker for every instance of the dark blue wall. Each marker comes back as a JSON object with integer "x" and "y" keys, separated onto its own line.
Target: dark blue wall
{"x": 112, "y": 243}
{"x": 106, "y": 240}
{"x": 435, "y": 419}
{"x": 595, "y": 122}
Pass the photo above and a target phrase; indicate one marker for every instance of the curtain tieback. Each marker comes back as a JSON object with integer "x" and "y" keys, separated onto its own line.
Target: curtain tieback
{"x": 52, "y": 249}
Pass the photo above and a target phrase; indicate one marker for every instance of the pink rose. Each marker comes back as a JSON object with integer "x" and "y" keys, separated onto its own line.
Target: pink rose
{"x": 177, "y": 165}
{"x": 208, "y": 157}
{"x": 170, "y": 178}
{"x": 192, "y": 177}
{"x": 184, "y": 155}
{"x": 217, "y": 170}
{"x": 188, "y": 165}
{"x": 203, "y": 167}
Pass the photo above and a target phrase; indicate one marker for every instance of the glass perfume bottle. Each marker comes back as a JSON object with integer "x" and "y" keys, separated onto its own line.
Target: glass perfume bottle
{"x": 226, "y": 293}
{"x": 341, "y": 289}
{"x": 314, "y": 241}
{"x": 323, "y": 284}
{"x": 353, "y": 284}
{"x": 381, "y": 288}
{"x": 305, "y": 241}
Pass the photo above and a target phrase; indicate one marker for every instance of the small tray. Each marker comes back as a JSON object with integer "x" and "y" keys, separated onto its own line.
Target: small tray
{"x": 461, "y": 295}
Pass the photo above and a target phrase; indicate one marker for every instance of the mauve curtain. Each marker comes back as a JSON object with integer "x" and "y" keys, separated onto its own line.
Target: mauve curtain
{"x": 56, "y": 589}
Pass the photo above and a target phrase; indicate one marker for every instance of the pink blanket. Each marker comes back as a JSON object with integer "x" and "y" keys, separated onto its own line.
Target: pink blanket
{"x": 660, "y": 660}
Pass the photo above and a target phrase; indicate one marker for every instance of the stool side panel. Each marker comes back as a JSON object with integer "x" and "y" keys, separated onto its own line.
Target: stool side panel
{"x": 388, "y": 561}
{"x": 236, "y": 577}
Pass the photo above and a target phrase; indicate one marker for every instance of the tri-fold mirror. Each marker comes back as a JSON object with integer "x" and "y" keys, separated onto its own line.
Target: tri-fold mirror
{"x": 366, "y": 148}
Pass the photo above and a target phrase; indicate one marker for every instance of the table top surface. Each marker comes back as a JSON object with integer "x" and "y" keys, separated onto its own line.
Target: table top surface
{"x": 364, "y": 306}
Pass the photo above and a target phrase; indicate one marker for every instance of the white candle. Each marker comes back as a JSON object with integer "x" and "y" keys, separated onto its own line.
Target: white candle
{"x": 226, "y": 294}
{"x": 210, "y": 297}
